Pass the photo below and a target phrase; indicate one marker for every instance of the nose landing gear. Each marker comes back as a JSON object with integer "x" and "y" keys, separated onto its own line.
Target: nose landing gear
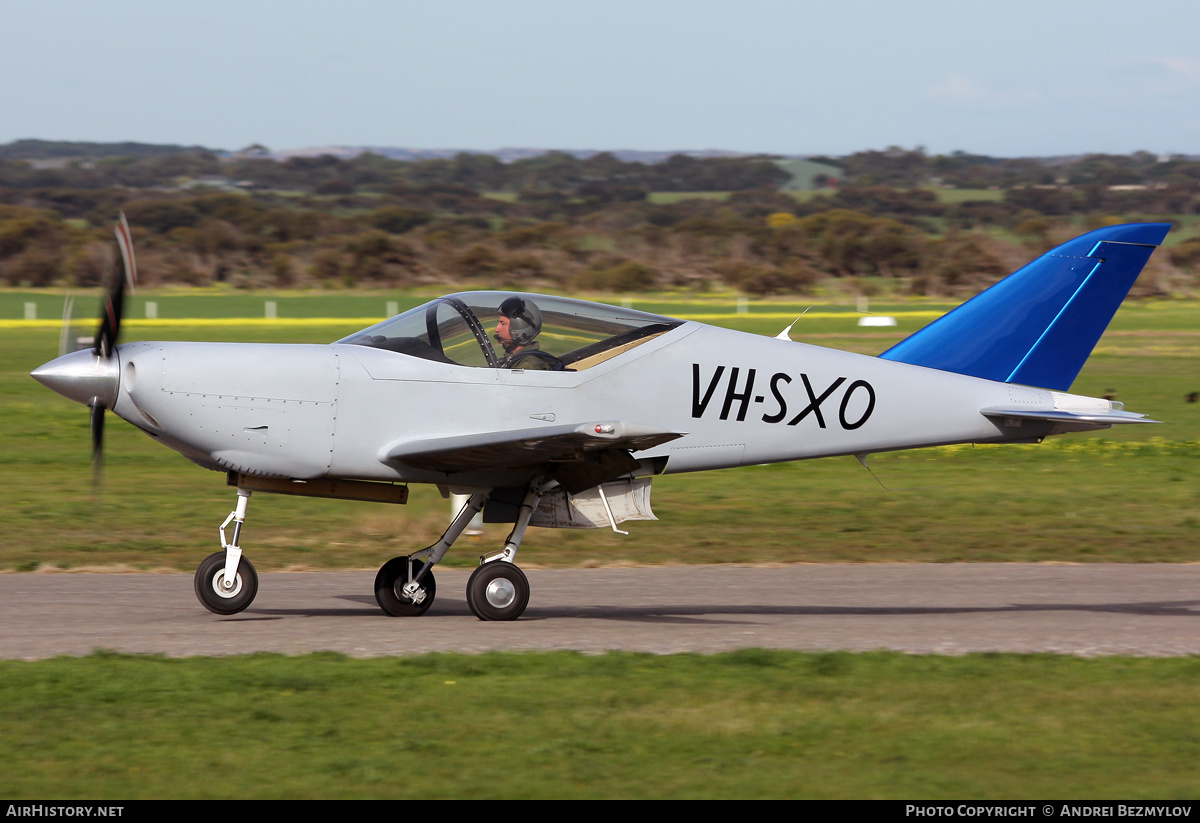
{"x": 226, "y": 583}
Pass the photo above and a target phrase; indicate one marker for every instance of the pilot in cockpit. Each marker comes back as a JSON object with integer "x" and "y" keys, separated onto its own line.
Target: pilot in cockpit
{"x": 519, "y": 323}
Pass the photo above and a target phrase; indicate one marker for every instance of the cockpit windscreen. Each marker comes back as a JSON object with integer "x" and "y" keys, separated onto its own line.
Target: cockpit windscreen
{"x": 514, "y": 330}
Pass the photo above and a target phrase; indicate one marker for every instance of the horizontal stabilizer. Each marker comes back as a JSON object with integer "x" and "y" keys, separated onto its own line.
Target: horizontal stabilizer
{"x": 1038, "y": 326}
{"x": 1083, "y": 420}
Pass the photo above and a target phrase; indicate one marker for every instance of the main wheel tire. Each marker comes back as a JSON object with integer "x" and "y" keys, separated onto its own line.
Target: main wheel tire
{"x": 389, "y": 585}
{"x": 498, "y": 591}
{"x": 213, "y": 595}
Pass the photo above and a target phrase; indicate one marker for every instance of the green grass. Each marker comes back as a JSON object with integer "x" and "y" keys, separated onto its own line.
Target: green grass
{"x": 750, "y": 724}
{"x": 188, "y": 304}
{"x": 668, "y": 198}
{"x": 955, "y": 196}
{"x": 805, "y": 195}
{"x": 944, "y": 195}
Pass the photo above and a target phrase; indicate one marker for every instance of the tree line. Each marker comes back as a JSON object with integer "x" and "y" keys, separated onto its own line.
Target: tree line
{"x": 557, "y": 222}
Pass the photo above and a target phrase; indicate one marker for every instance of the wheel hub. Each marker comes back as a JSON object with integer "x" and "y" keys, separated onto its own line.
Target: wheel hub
{"x": 218, "y": 585}
{"x": 500, "y": 593}
{"x": 415, "y": 596}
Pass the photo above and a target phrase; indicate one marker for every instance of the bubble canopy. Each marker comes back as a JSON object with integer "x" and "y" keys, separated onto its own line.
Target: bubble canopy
{"x": 461, "y": 329}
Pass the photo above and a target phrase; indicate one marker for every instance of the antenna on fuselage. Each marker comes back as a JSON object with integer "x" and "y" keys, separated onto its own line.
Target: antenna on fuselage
{"x": 862, "y": 458}
{"x": 786, "y": 334}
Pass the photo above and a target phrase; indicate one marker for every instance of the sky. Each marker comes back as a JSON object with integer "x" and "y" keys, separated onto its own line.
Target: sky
{"x": 1010, "y": 79}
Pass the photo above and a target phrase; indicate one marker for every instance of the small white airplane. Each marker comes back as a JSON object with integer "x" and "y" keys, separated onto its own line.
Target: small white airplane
{"x": 554, "y": 412}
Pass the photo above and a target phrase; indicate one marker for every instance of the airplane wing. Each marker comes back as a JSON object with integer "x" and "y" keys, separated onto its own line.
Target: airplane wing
{"x": 582, "y": 452}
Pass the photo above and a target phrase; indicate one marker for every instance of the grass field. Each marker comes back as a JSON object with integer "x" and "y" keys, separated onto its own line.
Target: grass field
{"x": 750, "y": 724}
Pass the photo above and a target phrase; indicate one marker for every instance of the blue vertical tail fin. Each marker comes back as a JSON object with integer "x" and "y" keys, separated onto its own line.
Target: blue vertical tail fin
{"x": 1038, "y": 325}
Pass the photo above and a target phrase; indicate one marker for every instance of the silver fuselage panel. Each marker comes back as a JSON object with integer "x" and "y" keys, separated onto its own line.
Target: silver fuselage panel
{"x": 740, "y": 399}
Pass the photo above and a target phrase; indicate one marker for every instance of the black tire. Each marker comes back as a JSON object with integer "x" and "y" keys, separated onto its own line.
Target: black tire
{"x": 391, "y": 579}
{"x": 213, "y": 597}
{"x": 498, "y": 591}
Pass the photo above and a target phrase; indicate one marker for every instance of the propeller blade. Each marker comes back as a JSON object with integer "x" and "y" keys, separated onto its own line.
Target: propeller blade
{"x": 110, "y": 320}
{"x": 64, "y": 337}
{"x": 125, "y": 241}
{"x": 97, "y": 427}
{"x": 114, "y": 300}
{"x": 107, "y": 336}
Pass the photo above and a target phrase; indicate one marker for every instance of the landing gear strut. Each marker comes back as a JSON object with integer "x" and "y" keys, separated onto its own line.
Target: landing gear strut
{"x": 404, "y": 586}
{"x": 226, "y": 583}
{"x": 498, "y": 589}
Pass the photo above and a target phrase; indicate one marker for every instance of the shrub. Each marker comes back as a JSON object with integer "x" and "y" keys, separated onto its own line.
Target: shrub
{"x": 622, "y": 277}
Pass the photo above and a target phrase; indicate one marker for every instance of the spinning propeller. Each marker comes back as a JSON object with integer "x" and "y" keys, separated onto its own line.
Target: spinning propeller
{"x": 106, "y": 339}
{"x": 93, "y": 377}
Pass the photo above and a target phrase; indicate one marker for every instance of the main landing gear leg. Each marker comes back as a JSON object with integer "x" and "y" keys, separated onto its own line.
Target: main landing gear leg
{"x": 226, "y": 583}
{"x": 498, "y": 589}
{"x": 404, "y": 586}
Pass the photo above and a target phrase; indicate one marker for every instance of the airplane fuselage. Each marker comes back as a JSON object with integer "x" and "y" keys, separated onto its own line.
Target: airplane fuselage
{"x": 309, "y": 411}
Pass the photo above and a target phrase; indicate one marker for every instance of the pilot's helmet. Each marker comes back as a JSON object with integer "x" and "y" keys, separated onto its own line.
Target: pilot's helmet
{"x": 524, "y": 319}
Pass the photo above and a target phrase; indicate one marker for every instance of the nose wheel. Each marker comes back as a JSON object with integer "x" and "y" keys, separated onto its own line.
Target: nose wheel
{"x": 222, "y": 597}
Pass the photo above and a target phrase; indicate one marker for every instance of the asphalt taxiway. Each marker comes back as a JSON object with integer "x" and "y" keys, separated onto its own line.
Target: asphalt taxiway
{"x": 1100, "y": 609}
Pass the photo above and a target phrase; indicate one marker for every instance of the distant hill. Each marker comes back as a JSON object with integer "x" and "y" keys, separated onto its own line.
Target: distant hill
{"x": 505, "y": 155}
{"x": 61, "y": 150}
{"x": 65, "y": 149}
